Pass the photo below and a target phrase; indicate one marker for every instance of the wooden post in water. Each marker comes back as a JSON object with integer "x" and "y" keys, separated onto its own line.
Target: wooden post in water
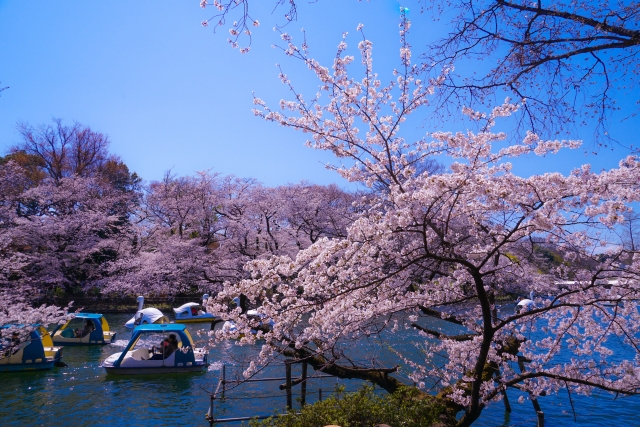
{"x": 303, "y": 386}
{"x": 534, "y": 401}
{"x": 287, "y": 366}
{"x": 224, "y": 379}
{"x": 319, "y": 395}
{"x": 507, "y": 405}
{"x": 540, "y": 418}
{"x": 210, "y": 414}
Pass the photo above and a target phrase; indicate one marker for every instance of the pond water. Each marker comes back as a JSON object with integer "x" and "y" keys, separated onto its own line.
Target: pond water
{"x": 81, "y": 394}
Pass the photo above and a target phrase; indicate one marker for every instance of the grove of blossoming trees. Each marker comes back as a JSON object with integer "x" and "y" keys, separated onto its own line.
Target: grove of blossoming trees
{"x": 65, "y": 208}
{"x": 435, "y": 252}
{"x": 426, "y": 255}
{"x": 14, "y": 297}
{"x": 74, "y": 220}
{"x": 195, "y": 233}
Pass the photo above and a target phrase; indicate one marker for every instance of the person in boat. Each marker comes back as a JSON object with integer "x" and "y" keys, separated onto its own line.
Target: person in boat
{"x": 165, "y": 350}
{"x": 160, "y": 352}
{"x": 11, "y": 345}
{"x": 88, "y": 328}
{"x": 169, "y": 347}
{"x": 174, "y": 341}
{"x": 15, "y": 339}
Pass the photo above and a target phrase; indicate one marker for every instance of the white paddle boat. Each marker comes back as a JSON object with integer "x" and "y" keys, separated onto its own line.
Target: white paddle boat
{"x": 175, "y": 353}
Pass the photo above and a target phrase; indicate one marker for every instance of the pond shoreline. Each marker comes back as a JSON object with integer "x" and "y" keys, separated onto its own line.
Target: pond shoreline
{"x": 119, "y": 305}
{"x": 130, "y": 304}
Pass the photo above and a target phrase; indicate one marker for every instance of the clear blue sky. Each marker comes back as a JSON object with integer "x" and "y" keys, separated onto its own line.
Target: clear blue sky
{"x": 173, "y": 95}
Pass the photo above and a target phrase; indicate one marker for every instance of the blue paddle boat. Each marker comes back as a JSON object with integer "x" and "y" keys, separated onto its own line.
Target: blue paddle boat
{"x": 37, "y": 353}
{"x": 84, "y": 329}
{"x": 175, "y": 352}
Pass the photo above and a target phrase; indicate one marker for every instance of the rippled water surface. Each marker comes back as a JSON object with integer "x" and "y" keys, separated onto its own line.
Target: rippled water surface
{"x": 83, "y": 395}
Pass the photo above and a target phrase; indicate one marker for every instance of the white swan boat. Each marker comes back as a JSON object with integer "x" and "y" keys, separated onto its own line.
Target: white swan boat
{"x": 146, "y": 316}
{"x": 192, "y": 312}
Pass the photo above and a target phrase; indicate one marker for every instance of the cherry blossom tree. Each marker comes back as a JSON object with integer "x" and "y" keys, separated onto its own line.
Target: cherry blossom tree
{"x": 569, "y": 60}
{"x": 429, "y": 258}
{"x": 12, "y": 181}
{"x": 16, "y": 293}
{"x": 62, "y": 227}
{"x": 259, "y": 221}
{"x": 18, "y": 315}
{"x": 67, "y": 229}
{"x": 174, "y": 233}
{"x": 315, "y": 211}
{"x": 194, "y": 233}
{"x": 68, "y": 203}
{"x": 284, "y": 219}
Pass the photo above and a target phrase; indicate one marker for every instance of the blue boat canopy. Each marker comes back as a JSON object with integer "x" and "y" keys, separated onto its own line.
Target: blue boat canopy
{"x": 88, "y": 316}
{"x": 19, "y": 325}
{"x": 161, "y": 327}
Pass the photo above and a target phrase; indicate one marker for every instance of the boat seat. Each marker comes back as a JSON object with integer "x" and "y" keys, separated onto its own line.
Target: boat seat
{"x": 67, "y": 333}
{"x": 13, "y": 358}
{"x": 141, "y": 354}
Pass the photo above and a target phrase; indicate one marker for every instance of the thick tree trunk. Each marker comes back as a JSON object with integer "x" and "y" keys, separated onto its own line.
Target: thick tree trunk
{"x": 382, "y": 378}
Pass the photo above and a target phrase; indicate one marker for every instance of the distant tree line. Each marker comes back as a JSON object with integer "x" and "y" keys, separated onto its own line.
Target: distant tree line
{"x": 74, "y": 219}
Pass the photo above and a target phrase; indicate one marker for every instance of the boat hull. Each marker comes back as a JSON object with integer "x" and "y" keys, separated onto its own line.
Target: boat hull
{"x": 196, "y": 320}
{"x": 80, "y": 344}
{"x": 22, "y": 367}
{"x": 155, "y": 370}
{"x": 74, "y": 342}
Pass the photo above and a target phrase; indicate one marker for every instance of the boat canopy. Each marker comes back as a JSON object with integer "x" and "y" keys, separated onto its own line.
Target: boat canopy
{"x": 184, "y": 337}
{"x": 99, "y": 320}
{"x": 186, "y": 307}
{"x": 71, "y": 333}
{"x": 88, "y": 316}
{"x": 167, "y": 327}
